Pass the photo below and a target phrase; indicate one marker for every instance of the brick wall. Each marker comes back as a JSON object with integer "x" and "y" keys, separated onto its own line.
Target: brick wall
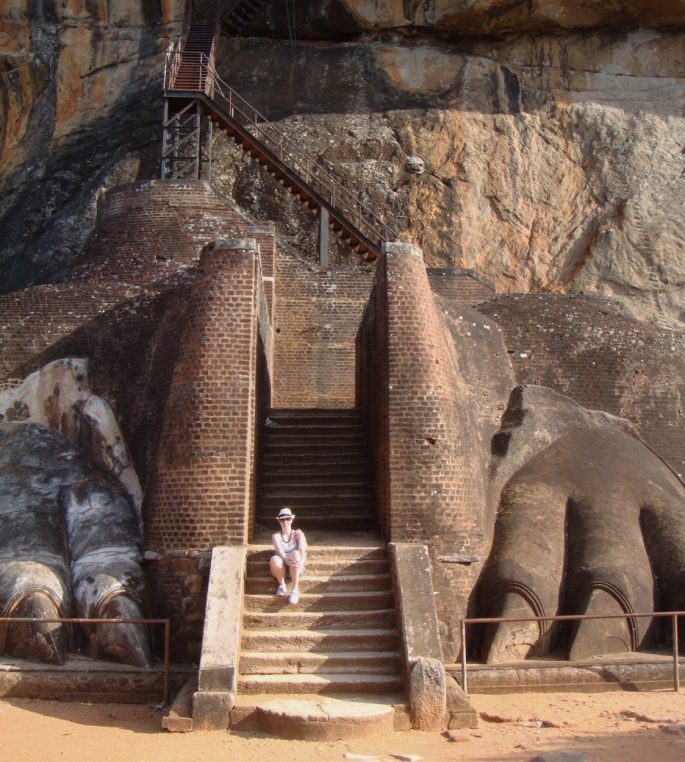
{"x": 126, "y": 308}
{"x": 420, "y": 383}
{"x": 124, "y": 305}
{"x": 177, "y": 588}
{"x": 204, "y": 481}
{"x": 130, "y": 344}
{"x": 149, "y": 232}
{"x": 316, "y": 318}
{"x": 460, "y": 286}
{"x": 589, "y": 349}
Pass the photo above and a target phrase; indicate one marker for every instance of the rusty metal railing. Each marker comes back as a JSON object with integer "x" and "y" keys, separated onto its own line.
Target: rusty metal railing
{"x": 571, "y": 618}
{"x": 204, "y": 79}
{"x": 82, "y": 620}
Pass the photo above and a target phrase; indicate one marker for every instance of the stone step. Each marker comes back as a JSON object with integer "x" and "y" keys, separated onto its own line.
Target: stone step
{"x": 315, "y": 641}
{"x": 331, "y": 554}
{"x": 262, "y": 584}
{"x": 312, "y": 429}
{"x": 332, "y": 601}
{"x": 325, "y": 498}
{"x": 315, "y": 514}
{"x": 292, "y": 617}
{"x": 320, "y": 718}
{"x": 321, "y": 683}
{"x": 287, "y": 457}
{"x": 329, "y": 568}
{"x": 282, "y": 474}
{"x": 316, "y": 488}
{"x": 337, "y": 520}
{"x": 314, "y": 414}
{"x": 348, "y": 441}
{"x": 339, "y": 662}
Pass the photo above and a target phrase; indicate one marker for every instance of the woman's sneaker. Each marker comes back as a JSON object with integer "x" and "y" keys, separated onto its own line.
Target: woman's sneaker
{"x": 282, "y": 590}
{"x": 294, "y": 597}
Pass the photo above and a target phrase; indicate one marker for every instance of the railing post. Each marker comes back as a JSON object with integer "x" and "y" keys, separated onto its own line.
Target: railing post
{"x": 464, "y": 685}
{"x": 167, "y": 649}
{"x": 323, "y": 236}
{"x": 676, "y": 671}
{"x": 165, "y": 140}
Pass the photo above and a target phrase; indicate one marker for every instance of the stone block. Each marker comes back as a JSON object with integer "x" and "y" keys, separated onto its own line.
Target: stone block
{"x": 427, "y": 693}
{"x": 460, "y": 712}
{"x": 221, "y": 635}
{"x": 211, "y": 710}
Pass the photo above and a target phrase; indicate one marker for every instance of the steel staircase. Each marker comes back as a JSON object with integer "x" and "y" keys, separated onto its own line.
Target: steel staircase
{"x": 239, "y": 14}
{"x": 192, "y": 84}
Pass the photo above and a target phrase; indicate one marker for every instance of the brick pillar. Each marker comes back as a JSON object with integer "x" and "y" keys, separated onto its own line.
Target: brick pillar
{"x": 435, "y": 491}
{"x": 204, "y": 476}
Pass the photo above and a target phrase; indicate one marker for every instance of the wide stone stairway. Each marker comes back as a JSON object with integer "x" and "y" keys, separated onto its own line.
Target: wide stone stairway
{"x": 316, "y": 462}
{"x": 332, "y": 661}
{"x": 341, "y": 640}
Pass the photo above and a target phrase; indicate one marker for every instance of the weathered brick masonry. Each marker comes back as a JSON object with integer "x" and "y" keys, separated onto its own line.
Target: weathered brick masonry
{"x": 587, "y": 348}
{"x": 204, "y": 485}
{"x": 459, "y": 286}
{"x": 428, "y": 442}
{"x": 198, "y": 498}
{"x": 316, "y": 318}
{"x": 125, "y": 307}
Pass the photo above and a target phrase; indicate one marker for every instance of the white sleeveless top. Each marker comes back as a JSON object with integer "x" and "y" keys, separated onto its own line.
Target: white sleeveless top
{"x": 288, "y": 547}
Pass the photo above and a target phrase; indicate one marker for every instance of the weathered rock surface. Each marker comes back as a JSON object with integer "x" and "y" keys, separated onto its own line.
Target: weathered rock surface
{"x": 79, "y": 110}
{"x": 58, "y": 511}
{"x": 550, "y": 133}
{"x": 475, "y": 17}
{"x": 58, "y": 396}
{"x": 551, "y": 163}
{"x": 592, "y": 522}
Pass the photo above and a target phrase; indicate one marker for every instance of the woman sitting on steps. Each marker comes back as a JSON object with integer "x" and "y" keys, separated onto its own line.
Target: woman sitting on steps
{"x": 291, "y": 554}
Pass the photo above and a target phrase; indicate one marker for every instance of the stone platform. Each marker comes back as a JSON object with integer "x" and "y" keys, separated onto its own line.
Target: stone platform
{"x": 84, "y": 679}
{"x": 615, "y": 672}
{"x": 319, "y": 718}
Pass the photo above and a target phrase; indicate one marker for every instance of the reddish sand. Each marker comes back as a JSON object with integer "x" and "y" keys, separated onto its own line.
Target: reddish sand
{"x": 630, "y": 727}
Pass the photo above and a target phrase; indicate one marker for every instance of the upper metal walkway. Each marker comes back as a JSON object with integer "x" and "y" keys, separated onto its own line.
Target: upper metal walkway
{"x": 195, "y": 96}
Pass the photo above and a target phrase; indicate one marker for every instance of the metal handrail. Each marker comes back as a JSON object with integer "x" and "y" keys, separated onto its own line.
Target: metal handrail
{"x": 83, "y": 620}
{"x": 571, "y": 618}
{"x": 318, "y": 177}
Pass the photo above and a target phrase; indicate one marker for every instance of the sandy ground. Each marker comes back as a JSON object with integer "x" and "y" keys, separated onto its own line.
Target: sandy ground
{"x": 632, "y": 727}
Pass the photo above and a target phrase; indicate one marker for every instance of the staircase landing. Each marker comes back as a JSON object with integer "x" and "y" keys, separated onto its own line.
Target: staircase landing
{"x": 320, "y": 718}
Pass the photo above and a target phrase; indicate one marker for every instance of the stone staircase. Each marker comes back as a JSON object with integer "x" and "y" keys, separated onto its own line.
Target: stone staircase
{"x": 341, "y": 640}
{"x": 316, "y": 462}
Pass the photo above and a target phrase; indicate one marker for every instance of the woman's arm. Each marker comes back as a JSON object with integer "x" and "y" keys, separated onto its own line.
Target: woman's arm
{"x": 278, "y": 545}
{"x": 302, "y": 544}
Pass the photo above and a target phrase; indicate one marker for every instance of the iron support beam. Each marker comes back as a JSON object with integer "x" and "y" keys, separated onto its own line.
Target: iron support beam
{"x": 323, "y": 236}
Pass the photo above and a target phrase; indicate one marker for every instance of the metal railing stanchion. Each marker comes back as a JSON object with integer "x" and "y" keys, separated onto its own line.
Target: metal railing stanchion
{"x": 464, "y": 683}
{"x": 676, "y": 670}
{"x": 84, "y": 620}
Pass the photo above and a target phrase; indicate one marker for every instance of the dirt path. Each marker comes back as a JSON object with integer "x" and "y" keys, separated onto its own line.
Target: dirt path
{"x": 631, "y": 727}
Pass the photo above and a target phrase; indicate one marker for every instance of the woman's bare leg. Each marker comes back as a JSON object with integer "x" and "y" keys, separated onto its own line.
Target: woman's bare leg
{"x": 295, "y": 566}
{"x": 278, "y": 571}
